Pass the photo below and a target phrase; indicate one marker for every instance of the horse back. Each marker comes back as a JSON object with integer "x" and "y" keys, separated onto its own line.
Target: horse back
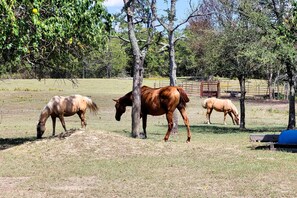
{"x": 152, "y": 101}
{"x": 158, "y": 101}
{"x": 208, "y": 103}
{"x": 67, "y": 106}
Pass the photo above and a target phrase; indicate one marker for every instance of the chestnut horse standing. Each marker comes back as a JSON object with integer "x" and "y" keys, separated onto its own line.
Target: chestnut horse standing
{"x": 60, "y": 106}
{"x": 221, "y": 105}
{"x": 157, "y": 101}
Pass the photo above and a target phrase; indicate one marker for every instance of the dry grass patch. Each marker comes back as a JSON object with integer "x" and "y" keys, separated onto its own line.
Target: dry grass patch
{"x": 99, "y": 163}
{"x": 104, "y": 161}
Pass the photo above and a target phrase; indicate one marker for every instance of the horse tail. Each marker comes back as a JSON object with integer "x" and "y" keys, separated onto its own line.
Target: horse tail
{"x": 183, "y": 96}
{"x": 204, "y": 103}
{"x": 91, "y": 105}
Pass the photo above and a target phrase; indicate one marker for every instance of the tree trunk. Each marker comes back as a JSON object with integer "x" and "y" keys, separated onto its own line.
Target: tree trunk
{"x": 271, "y": 92}
{"x": 292, "y": 121}
{"x": 136, "y": 105}
{"x": 172, "y": 76}
{"x": 292, "y": 86}
{"x": 242, "y": 101}
{"x": 172, "y": 64}
{"x": 137, "y": 72}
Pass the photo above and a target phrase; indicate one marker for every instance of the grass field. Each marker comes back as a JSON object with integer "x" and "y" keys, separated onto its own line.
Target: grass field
{"x": 104, "y": 161}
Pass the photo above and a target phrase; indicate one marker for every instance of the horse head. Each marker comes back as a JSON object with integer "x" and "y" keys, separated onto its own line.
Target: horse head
{"x": 120, "y": 109}
{"x": 40, "y": 130}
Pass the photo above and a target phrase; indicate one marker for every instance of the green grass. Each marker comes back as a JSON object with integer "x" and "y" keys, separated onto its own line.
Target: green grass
{"x": 104, "y": 161}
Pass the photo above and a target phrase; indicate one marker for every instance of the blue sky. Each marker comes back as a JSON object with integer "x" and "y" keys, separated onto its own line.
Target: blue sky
{"x": 182, "y": 7}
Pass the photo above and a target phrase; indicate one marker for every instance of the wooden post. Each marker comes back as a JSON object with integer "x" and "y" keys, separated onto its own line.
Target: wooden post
{"x": 218, "y": 89}
{"x": 201, "y": 89}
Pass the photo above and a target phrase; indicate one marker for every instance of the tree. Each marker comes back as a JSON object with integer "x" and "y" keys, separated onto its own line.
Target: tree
{"x": 109, "y": 62}
{"x": 168, "y": 23}
{"x": 231, "y": 48}
{"x": 48, "y": 35}
{"x": 136, "y": 12}
{"x": 280, "y": 43}
{"x": 200, "y": 32}
{"x": 286, "y": 39}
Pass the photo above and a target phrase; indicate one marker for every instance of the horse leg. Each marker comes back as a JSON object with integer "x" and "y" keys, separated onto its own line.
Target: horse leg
{"x": 169, "y": 117}
{"x": 54, "y": 124}
{"x": 61, "y": 117}
{"x": 208, "y": 113}
{"x": 225, "y": 114}
{"x": 144, "y": 121}
{"x": 82, "y": 118}
{"x": 186, "y": 121}
{"x": 230, "y": 114}
{"x": 206, "y": 121}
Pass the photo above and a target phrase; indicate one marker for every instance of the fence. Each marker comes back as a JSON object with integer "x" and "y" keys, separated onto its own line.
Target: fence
{"x": 230, "y": 88}
{"x": 210, "y": 89}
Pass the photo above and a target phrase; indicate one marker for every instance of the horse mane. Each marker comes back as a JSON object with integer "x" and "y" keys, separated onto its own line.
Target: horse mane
{"x": 233, "y": 107}
{"x": 45, "y": 113}
{"x": 126, "y": 99}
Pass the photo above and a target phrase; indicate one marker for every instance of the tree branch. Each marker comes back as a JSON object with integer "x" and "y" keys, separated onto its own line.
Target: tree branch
{"x": 154, "y": 12}
{"x": 192, "y": 15}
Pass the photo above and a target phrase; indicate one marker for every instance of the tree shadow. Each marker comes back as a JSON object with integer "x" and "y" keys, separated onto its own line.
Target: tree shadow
{"x": 226, "y": 129}
{"x": 6, "y": 143}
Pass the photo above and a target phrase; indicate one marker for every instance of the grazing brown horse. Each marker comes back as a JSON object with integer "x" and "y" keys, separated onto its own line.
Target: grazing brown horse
{"x": 157, "y": 102}
{"x": 221, "y": 105}
{"x": 60, "y": 106}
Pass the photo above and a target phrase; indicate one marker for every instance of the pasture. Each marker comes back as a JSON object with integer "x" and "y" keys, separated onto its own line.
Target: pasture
{"x": 104, "y": 161}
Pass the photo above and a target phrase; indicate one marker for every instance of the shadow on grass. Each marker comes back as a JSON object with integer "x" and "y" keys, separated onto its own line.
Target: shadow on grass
{"x": 260, "y": 147}
{"x": 225, "y": 129}
{"x": 215, "y": 129}
{"x": 6, "y": 143}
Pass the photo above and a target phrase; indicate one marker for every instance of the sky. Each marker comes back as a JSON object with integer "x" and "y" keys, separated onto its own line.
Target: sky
{"x": 182, "y": 7}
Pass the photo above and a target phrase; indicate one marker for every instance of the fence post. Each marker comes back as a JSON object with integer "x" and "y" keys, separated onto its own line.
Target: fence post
{"x": 201, "y": 89}
{"x": 218, "y": 89}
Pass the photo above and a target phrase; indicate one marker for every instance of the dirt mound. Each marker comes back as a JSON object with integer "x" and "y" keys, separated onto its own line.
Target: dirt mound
{"x": 95, "y": 144}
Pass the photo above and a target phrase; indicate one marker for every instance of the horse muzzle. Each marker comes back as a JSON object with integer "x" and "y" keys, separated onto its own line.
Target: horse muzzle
{"x": 40, "y": 130}
{"x": 39, "y": 134}
{"x": 118, "y": 118}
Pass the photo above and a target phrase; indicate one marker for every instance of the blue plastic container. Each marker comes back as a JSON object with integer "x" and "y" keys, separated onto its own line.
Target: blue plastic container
{"x": 288, "y": 137}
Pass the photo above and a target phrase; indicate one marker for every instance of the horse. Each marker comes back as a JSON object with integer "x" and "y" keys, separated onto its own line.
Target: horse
{"x": 156, "y": 102}
{"x": 221, "y": 105}
{"x": 60, "y": 106}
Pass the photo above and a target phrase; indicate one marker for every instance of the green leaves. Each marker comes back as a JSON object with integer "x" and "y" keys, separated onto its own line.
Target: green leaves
{"x": 39, "y": 32}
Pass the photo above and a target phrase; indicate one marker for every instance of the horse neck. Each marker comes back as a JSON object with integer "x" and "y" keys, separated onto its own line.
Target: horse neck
{"x": 234, "y": 109}
{"x": 126, "y": 99}
{"x": 45, "y": 113}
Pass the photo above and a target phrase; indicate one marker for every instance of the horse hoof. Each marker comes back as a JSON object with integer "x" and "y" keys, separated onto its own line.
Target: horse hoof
{"x": 142, "y": 136}
{"x": 188, "y": 140}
